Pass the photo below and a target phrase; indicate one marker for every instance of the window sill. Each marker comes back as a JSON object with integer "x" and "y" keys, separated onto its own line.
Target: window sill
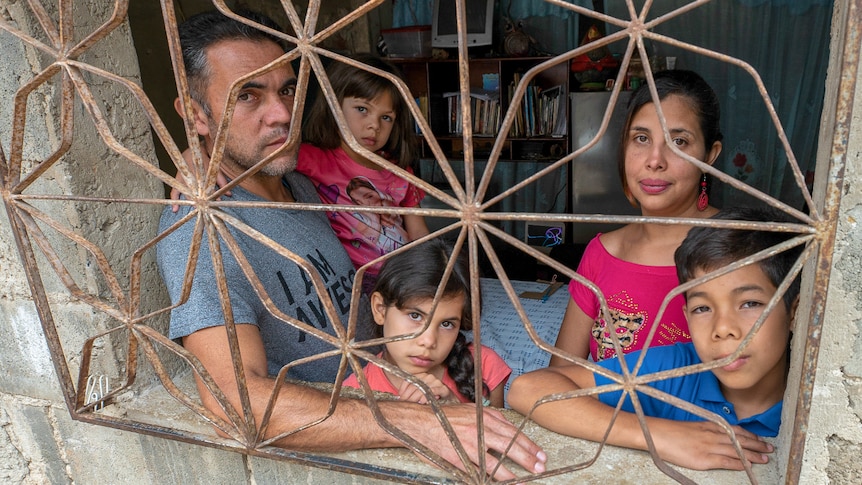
{"x": 155, "y": 407}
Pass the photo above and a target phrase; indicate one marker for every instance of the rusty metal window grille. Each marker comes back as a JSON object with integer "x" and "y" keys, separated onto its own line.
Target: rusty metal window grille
{"x": 127, "y": 344}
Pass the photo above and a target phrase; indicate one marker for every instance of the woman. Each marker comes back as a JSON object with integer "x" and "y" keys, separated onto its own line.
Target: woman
{"x": 633, "y": 266}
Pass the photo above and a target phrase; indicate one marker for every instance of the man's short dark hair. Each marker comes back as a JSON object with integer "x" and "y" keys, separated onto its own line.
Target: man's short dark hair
{"x": 203, "y": 30}
{"x": 709, "y": 248}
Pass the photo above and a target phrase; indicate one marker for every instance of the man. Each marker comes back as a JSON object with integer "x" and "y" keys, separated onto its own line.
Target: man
{"x": 217, "y": 51}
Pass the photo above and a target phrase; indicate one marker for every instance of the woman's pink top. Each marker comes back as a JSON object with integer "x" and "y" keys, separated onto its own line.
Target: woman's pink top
{"x": 634, "y": 293}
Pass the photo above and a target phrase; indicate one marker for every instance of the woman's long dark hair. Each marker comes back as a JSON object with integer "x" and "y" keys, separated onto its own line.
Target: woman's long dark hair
{"x": 415, "y": 274}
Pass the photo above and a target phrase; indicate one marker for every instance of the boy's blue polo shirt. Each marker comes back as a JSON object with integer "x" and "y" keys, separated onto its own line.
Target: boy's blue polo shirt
{"x": 701, "y": 389}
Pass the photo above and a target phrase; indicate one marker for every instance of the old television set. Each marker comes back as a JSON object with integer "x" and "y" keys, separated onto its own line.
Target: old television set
{"x": 480, "y": 23}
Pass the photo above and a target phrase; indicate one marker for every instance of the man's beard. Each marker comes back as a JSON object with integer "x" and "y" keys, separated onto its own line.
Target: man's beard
{"x": 284, "y": 163}
{"x": 245, "y": 156}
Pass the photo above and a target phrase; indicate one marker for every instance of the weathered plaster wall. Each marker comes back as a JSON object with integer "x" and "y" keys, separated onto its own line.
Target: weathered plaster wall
{"x": 834, "y": 442}
{"x": 39, "y": 443}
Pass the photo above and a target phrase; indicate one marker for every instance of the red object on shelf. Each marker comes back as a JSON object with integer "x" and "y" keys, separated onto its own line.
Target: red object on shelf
{"x": 584, "y": 63}
{"x": 597, "y": 59}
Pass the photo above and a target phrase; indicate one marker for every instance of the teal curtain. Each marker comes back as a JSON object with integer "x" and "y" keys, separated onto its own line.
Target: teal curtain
{"x": 547, "y": 195}
{"x": 418, "y": 12}
{"x": 796, "y": 7}
{"x": 787, "y": 42}
{"x": 521, "y": 9}
{"x": 411, "y": 12}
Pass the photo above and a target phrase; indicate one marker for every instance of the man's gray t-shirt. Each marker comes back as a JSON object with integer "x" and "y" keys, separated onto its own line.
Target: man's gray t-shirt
{"x": 305, "y": 233}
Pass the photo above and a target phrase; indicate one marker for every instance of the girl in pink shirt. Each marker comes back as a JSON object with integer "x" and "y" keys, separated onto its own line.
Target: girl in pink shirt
{"x": 402, "y": 303}
{"x": 342, "y": 168}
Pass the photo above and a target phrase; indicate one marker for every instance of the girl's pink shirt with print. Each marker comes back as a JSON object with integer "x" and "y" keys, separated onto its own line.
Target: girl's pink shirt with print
{"x": 365, "y": 236}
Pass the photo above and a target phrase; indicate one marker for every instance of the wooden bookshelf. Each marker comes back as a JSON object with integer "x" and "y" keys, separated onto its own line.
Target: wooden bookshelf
{"x": 541, "y": 128}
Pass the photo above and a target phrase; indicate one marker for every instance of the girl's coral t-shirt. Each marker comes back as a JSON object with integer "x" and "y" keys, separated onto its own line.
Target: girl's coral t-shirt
{"x": 495, "y": 372}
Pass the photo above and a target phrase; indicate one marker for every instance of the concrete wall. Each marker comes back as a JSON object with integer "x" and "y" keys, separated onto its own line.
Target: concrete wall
{"x": 40, "y": 443}
{"x": 834, "y": 441}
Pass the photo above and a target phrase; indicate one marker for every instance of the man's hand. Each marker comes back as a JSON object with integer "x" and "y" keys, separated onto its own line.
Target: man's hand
{"x": 410, "y": 392}
{"x": 499, "y": 433}
{"x": 703, "y": 445}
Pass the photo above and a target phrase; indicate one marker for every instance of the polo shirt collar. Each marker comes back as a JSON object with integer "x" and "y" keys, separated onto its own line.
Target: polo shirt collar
{"x": 709, "y": 397}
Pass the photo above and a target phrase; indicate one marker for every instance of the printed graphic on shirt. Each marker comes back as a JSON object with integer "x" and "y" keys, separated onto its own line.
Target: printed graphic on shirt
{"x": 671, "y": 332}
{"x": 624, "y": 324}
{"x": 303, "y": 299}
{"x": 384, "y": 232}
{"x": 629, "y": 321}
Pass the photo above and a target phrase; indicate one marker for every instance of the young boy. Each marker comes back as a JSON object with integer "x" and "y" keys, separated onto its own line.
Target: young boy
{"x": 746, "y": 392}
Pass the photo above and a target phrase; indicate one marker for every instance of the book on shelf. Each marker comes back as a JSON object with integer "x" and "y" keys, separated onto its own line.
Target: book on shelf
{"x": 517, "y": 128}
{"x": 422, "y": 102}
{"x": 542, "y": 112}
{"x": 531, "y": 110}
{"x": 554, "y": 111}
{"x": 484, "y": 112}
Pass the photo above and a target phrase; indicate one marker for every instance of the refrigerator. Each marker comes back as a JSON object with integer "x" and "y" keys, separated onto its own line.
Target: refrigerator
{"x": 595, "y": 183}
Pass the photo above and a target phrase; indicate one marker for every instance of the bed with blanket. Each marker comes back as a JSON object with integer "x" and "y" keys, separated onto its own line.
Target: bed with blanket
{"x": 503, "y": 330}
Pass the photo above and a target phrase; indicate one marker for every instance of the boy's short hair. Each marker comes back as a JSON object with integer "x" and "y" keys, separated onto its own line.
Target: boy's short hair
{"x": 709, "y": 248}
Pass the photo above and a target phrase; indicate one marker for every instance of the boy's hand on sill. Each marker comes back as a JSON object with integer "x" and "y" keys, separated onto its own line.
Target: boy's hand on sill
{"x": 703, "y": 445}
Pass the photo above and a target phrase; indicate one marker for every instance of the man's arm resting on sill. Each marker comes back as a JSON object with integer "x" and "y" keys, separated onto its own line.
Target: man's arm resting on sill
{"x": 351, "y": 426}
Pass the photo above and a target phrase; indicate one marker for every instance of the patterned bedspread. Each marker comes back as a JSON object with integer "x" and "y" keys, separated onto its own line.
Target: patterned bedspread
{"x": 503, "y": 330}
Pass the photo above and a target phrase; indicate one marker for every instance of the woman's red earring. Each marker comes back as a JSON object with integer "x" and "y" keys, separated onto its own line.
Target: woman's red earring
{"x": 702, "y": 199}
